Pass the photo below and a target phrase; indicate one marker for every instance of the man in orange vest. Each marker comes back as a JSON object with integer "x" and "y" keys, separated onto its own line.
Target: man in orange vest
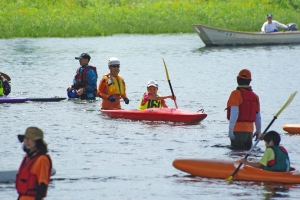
{"x": 112, "y": 87}
{"x": 243, "y": 111}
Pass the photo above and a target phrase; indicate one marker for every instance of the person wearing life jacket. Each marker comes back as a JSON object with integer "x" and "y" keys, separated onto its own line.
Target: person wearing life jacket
{"x": 275, "y": 157}
{"x": 5, "y": 87}
{"x": 153, "y": 100}
{"x": 112, "y": 87}
{"x": 33, "y": 177}
{"x": 85, "y": 80}
{"x": 243, "y": 111}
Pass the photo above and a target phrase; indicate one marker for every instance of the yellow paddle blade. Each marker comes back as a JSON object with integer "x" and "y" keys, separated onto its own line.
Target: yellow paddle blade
{"x": 229, "y": 178}
{"x": 167, "y": 74}
{"x": 287, "y": 103}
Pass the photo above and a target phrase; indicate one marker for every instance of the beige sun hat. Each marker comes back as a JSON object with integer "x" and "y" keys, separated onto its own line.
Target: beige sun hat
{"x": 32, "y": 133}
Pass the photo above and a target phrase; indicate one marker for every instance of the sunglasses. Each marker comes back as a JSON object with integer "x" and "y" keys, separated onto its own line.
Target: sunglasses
{"x": 115, "y": 66}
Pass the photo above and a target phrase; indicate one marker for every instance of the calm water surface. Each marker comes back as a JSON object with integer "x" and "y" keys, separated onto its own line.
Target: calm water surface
{"x": 101, "y": 158}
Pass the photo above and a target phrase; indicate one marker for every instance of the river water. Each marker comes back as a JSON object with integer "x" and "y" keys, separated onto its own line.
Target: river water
{"x": 101, "y": 158}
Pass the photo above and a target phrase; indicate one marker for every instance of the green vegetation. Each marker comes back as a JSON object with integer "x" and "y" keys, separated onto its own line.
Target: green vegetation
{"x": 74, "y": 18}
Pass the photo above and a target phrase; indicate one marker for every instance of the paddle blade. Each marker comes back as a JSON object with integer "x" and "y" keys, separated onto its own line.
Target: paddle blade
{"x": 167, "y": 74}
{"x": 229, "y": 178}
{"x": 286, "y": 103}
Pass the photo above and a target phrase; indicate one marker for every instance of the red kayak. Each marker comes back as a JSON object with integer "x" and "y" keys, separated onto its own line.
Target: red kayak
{"x": 158, "y": 114}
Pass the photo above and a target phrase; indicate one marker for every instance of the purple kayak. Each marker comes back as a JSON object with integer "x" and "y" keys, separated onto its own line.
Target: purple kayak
{"x": 13, "y": 99}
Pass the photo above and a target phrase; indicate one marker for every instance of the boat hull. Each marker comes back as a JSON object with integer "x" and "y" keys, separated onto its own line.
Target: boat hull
{"x": 224, "y": 169}
{"x": 157, "y": 114}
{"x": 221, "y": 37}
{"x": 10, "y": 175}
{"x": 292, "y": 128}
{"x": 13, "y": 99}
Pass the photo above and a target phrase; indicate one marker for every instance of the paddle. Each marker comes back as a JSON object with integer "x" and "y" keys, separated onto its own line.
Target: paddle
{"x": 275, "y": 117}
{"x": 5, "y": 76}
{"x": 169, "y": 83}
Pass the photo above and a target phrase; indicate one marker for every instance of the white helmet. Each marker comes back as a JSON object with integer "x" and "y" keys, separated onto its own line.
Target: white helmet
{"x": 113, "y": 61}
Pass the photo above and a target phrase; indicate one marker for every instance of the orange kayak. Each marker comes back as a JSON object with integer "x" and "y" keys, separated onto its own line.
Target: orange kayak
{"x": 224, "y": 169}
{"x": 158, "y": 114}
{"x": 292, "y": 128}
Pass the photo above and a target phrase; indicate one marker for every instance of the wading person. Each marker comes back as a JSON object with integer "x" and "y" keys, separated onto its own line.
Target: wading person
{"x": 35, "y": 170}
{"x": 112, "y": 87}
{"x": 243, "y": 111}
{"x": 153, "y": 100}
{"x": 85, "y": 80}
{"x": 5, "y": 87}
{"x": 275, "y": 157}
{"x": 271, "y": 25}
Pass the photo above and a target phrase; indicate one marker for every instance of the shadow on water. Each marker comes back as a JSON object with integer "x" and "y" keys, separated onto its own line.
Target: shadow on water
{"x": 206, "y": 49}
{"x": 269, "y": 190}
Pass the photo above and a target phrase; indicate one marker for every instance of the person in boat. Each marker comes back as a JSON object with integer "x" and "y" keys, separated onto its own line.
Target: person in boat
{"x": 33, "y": 177}
{"x": 243, "y": 111}
{"x": 275, "y": 157}
{"x": 271, "y": 25}
{"x": 112, "y": 87}
{"x": 85, "y": 80}
{"x": 5, "y": 87}
{"x": 153, "y": 100}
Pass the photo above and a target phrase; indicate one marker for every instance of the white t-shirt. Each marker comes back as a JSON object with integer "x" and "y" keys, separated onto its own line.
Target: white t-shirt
{"x": 267, "y": 28}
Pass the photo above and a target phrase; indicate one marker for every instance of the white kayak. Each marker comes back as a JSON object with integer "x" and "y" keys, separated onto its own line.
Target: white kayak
{"x": 10, "y": 175}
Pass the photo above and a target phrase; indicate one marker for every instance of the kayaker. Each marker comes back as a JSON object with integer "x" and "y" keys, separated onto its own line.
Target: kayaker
{"x": 85, "y": 80}
{"x": 243, "y": 111}
{"x": 275, "y": 157}
{"x": 34, "y": 173}
{"x": 153, "y": 100}
{"x": 271, "y": 25}
{"x": 5, "y": 87}
{"x": 112, "y": 87}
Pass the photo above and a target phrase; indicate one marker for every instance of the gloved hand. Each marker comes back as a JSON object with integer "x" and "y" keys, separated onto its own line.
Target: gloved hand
{"x": 230, "y": 134}
{"x": 111, "y": 99}
{"x": 126, "y": 100}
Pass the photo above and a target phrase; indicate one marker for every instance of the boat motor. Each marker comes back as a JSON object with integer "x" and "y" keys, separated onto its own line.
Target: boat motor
{"x": 292, "y": 27}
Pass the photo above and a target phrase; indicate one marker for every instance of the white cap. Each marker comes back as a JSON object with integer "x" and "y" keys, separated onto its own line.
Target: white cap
{"x": 152, "y": 83}
{"x": 113, "y": 61}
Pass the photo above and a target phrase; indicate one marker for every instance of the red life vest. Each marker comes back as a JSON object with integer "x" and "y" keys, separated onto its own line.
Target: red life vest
{"x": 80, "y": 78}
{"x": 247, "y": 109}
{"x": 26, "y": 182}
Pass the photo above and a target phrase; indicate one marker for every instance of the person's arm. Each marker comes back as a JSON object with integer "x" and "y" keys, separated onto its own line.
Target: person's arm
{"x": 41, "y": 169}
{"x": 153, "y": 97}
{"x": 280, "y": 24}
{"x": 234, "y": 113}
{"x": 257, "y": 124}
{"x": 91, "y": 78}
{"x": 263, "y": 29}
{"x": 102, "y": 88}
{"x": 252, "y": 164}
{"x": 124, "y": 85}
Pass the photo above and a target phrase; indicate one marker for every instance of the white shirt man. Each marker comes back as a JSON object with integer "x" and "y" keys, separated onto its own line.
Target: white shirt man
{"x": 271, "y": 25}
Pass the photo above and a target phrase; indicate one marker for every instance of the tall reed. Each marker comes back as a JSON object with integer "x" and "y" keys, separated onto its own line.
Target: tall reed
{"x": 75, "y": 18}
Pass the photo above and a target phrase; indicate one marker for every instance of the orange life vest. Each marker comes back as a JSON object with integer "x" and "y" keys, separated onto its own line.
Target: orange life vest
{"x": 26, "y": 182}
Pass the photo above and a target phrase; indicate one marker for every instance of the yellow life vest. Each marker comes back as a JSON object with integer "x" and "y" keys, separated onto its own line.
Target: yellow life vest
{"x": 150, "y": 104}
{"x": 114, "y": 85}
{"x": 1, "y": 88}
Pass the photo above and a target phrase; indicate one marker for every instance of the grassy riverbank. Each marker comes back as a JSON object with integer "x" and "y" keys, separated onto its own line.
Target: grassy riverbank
{"x": 72, "y": 18}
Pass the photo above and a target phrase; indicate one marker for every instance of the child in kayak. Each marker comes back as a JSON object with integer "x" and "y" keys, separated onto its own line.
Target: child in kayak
{"x": 151, "y": 99}
{"x": 275, "y": 157}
